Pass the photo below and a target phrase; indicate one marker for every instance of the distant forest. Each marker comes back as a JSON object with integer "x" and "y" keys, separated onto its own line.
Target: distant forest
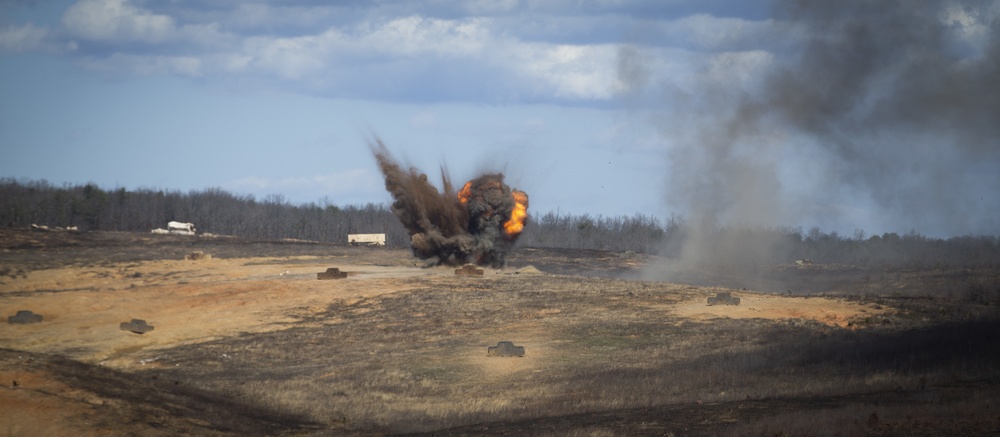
{"x": 213, "y": 210}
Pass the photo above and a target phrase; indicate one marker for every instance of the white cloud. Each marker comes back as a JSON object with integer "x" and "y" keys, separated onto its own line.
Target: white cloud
{"x": 258, "y": 15}
{"x": 24, "y": 38}
{"x": 467, "y": 52}
{"x": 119, "y": 22}
{"x": 301, "y": 57}
{"x": 415, "y": 36}
{"x": 110, "y": 20}
{"x": 666, "y": 77}
{"x": 292, "y": 58}
{"x": 562, "y": 70}
{"x": 970, "y": 28}
{"x": 714, "y": 33}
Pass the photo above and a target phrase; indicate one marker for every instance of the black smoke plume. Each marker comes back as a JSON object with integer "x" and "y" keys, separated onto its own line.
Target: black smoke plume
{"x": 442, "y": 226}
{"x": 875, "y": 113}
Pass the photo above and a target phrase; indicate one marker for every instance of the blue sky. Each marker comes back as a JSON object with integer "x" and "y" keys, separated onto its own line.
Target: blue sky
{"x": 738, "y": 112}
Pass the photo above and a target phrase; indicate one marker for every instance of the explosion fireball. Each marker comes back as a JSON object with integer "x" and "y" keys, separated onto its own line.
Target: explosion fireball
{"x": 478, "y": 224}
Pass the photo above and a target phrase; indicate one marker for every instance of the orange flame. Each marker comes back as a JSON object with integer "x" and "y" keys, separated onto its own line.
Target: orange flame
{"x": 465, "y": 193}
{"x": 515, "y": 225}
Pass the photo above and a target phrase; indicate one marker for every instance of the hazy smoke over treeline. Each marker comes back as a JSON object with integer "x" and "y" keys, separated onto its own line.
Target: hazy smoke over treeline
{"x": 903, "y": 97}
{"x": 476, "y": 224}
{"x": 887, "y": 113}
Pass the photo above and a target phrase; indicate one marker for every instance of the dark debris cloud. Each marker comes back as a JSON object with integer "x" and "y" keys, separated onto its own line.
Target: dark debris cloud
{"x": 448, "y": 228}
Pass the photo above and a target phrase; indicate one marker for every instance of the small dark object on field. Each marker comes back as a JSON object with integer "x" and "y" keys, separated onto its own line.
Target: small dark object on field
{"x": 723, "y": 298}
{"x": 505, "y": 349}
{"x": 137, "y": 326}
{"x": 804, "y": 262}
{"x": 873, "y": 420}
{"x": 331, "y": 273}
{"x": 25, "y": 316}
{"x": 197, "y": 255}
{"x": 469, "y": 270}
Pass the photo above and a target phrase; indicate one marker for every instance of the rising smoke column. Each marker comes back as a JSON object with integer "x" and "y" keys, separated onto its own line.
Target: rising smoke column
{"x": 882, "y": 112}
{"x": 478, "y": 224}
{"x": 903, "y": 96}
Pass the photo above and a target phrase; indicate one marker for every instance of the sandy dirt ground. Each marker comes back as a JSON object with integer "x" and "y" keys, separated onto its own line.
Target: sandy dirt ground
{"x": 250, "y": 342}
{"x": 190, "y": 301}
{"x": 185, "y": 301}
{"x": 193, "y": 301}
{"x": 833, "y": 312}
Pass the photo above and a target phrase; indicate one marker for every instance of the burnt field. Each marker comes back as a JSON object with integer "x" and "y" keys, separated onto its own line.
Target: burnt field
{"x": 249, "y": 342}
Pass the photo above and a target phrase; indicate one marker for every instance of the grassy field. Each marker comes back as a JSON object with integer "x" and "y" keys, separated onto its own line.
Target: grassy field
{"x": 400, "y": 348}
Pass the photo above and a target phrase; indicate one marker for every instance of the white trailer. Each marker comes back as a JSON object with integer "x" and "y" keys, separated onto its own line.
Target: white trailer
{"x": 181, "y": 227}
{"x": 366, "y": 239}
{"x": 176, "y": 228}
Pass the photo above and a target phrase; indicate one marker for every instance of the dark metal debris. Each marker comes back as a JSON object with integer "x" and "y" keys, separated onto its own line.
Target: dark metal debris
{"x": 469, "y": 270}
{"x": 505, "y": 349}
{"x": 723, "y": 298}
{"x": 137, "y": 326}
{"x": 331, "y": 273}
{"x": 25, "y": 316}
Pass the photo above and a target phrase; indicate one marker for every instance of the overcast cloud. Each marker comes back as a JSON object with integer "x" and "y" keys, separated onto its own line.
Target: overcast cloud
{"x": 492, "y": 52}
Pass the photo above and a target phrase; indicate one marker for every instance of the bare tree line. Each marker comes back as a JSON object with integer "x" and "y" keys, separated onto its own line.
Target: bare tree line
{"x": 639, "y": 233}
{"x": 214, "y": 210}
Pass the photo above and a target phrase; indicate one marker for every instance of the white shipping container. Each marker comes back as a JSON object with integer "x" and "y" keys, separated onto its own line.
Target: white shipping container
{"x": 366, "y": 239}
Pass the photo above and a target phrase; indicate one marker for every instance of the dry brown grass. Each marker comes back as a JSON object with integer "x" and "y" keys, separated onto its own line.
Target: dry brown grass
{"x": 604, "y": 356}
{"x": 415, "y": 360}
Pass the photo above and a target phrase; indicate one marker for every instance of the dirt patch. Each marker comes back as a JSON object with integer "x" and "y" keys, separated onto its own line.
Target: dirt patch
{"x": 832, "y": 312}
{"x": 28, "y": 396}
{"x": 537, "y": 356}
{"x": 187, "y": 302}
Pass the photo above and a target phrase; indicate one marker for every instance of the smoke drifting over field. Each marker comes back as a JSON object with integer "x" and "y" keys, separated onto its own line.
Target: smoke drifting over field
{"x": 887, "y": 115}
{"x": 477, "y": 224}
